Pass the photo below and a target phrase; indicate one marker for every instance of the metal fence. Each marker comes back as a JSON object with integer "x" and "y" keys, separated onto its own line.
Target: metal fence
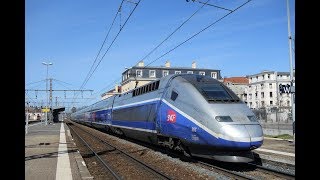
{"x": 274, "y": 114}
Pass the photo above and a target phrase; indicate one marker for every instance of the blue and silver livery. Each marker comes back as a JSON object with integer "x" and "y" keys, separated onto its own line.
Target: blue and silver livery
{"x": 194, "y": 114}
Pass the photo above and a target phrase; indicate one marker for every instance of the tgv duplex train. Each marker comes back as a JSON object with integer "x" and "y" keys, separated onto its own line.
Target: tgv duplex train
{"x": 194, "y": 114}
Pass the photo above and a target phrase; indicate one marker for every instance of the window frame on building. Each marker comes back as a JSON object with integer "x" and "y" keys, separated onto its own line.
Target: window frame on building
{"x": 140, "y": 74}
{"x": 154, "y": 73}
{"x": 270, "y": 85}
{"x": 214, "y": 75}
{"x": 163, "y": 71}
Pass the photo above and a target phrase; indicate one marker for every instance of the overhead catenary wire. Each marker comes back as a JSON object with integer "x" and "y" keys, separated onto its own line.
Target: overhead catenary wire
{"x": 173, "y": 32}
{"x": 191, "y": 37}
{"x": 35, "y": 82}
{"x": 29, "y": 99}
{"x": 105, "y": 39}
{"x": 115, "y": 37}
{"x": 59, "y": 82}
{"x": 90, "y": 74}
{"x": 212, "y": 5}
{"x": 43, "y": 81}
{"x": 95, "y": 95}
{"x": 37, "y": 97}
{"x": 194, "y": 35}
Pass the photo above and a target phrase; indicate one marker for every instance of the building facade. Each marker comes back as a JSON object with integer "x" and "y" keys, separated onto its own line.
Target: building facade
{"x": 140, "y": 75}
{"x": 238, "y": 85}
{"x": 116, "y": 90}
{"x": 265, "y": 90}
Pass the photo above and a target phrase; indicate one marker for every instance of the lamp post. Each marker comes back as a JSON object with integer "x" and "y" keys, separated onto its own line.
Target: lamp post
{"x": 47, "y": 64}
{"x": 292, "y": 89}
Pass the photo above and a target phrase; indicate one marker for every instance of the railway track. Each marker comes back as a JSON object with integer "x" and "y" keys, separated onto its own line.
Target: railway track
{"x": 118, "y": 164}
{"x": 238, "y": 171}
{"x": 275, "y": 172}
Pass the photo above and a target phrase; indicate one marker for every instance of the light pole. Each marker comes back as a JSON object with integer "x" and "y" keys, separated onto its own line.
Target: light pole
{"x": 47, "y": 64}
{"x": 292, "y": 89}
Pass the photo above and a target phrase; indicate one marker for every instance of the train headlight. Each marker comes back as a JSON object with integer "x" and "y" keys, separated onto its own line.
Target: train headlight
{"x": 224, "y": 119}
{"x": 253, "y": 118}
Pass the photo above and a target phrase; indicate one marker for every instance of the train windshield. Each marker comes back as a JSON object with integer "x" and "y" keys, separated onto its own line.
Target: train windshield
{"x": 212, "y": 89}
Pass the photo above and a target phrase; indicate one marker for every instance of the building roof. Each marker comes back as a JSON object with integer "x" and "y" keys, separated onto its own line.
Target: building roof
{"x": 237, "y": 80}
{"x": 270, "y": 72}
{"x": 171, "y": 67}
{"x": 111, "y": 91}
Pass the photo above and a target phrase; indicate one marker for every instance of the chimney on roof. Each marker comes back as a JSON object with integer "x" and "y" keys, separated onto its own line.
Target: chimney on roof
{"x": 141, "y": 64}
{"x": 116, "y": 88}
{"x": 167, "y": 64}
{"x": 194, "y": 65}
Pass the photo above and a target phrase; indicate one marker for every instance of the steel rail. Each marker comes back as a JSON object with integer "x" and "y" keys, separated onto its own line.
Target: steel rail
{"x": 149, "y": 168}
{"x": 96, "y": 155}
{"x": 272, "y": 170}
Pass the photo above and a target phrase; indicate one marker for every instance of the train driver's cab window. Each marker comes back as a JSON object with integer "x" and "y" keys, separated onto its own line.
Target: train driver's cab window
{"x": 211, "y": 89}
{"x": 174, "y": 95}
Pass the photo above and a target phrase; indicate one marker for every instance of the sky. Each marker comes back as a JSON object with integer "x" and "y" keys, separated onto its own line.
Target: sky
{"x": 70, "y": 34}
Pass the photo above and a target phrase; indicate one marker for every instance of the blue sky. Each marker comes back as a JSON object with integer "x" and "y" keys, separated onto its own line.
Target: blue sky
{"x": 70, "y": 33}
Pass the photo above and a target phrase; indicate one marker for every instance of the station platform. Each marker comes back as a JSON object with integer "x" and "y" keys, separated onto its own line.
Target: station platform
{"x": 50, "y": 153}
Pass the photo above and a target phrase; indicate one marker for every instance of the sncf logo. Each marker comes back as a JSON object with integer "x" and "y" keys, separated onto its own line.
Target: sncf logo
{"x": 171, "y": 116}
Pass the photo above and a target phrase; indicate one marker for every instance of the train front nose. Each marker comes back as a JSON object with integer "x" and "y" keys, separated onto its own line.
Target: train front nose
{"x": 243, "y": 136}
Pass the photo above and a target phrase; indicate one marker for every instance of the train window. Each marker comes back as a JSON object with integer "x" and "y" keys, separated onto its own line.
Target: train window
{"x": 174, "y": 95}
{"x": 211, "y": 89}
{"x": 224, "y": 119}
{"x": 157, "y": 85}
{"x": 153, "y": 86}
{"x": 215, "y": 91}
{"x": 149, "y": 87}
{"x": 144, "y": 89}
